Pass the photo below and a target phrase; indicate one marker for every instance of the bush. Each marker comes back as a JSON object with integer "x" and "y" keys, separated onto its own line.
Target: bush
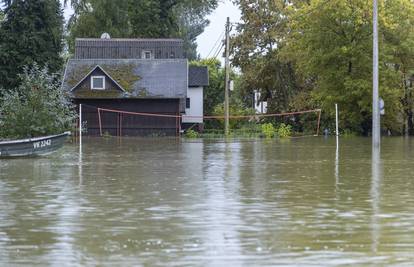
{"x": 37, "y": 107}
{"x": 235, "y": 109}
{"x": 268, "y": 130}
{"x": 190, "y": 133}
{"x": 284, "y": 130}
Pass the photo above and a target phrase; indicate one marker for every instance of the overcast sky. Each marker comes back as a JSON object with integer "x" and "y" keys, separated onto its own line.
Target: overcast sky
{"x": 207, "y": 40}
{"x": 217, "y": 19}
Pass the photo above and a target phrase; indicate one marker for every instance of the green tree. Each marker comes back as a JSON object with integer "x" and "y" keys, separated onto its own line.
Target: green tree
{"x": 214, "y": 95}
{"x": 37, "y": 107}
{"x": 184, "y": 19}
{"x": 331, "y": 43}
{"x": 304, "y": 54}
{"x": 149, "y": 20}
{"x": 191, "y": 18}
{"x": 398, "y": 32}
{"x": 31, "y": 32}
{"x": 98, "y": 16}
{"x": 256, "y": 51}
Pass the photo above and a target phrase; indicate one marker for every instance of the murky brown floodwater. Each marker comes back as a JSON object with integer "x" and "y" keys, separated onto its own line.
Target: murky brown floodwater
{"x": 210, "y": 203}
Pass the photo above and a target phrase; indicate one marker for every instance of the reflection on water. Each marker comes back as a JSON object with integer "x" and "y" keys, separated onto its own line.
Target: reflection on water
{"x": 375, "y": 196}
{"x": 170, "y": 202}
{"x": 80, "y": 162}
{"x": 337, "y": 163}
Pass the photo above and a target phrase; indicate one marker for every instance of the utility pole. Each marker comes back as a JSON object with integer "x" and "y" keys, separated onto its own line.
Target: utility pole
{"x": 376, "y": 132}
{"x": 227, "y": 82}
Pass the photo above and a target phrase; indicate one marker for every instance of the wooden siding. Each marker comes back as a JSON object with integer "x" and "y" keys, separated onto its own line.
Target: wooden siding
{"x": 132, "y": 125}
{"x": 127, "y": 48}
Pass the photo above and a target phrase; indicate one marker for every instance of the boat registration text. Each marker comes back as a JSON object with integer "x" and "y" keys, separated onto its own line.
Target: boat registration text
{"x": 43, "y": 143}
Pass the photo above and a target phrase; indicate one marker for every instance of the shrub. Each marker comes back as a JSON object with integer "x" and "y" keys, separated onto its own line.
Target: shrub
{"x": 106, "y": 134}
{"x": 235, "y": 109}
{"x": 190, "y": 133}
{"x": 284, "y": 130}
{"x": 37, "y": 107}
{"x": 268, "y": 130}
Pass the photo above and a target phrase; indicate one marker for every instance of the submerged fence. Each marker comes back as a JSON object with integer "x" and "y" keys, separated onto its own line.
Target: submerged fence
{"x": 104, "y": 121}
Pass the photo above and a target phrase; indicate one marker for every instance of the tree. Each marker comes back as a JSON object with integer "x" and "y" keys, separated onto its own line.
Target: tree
{"x": 31, "y": 32}
{"x": 214, "y": 95}
{"x": 304, "y": 54}
{"x": 98, "y": 16}
{"x": 184, "y": 19}
{"x": 37, "y": 107}
{"x": 331, "y": 42}
{"x": 399, "y": 37}
{"x": 256, "y": 51}
{"x": 191, "y": 18}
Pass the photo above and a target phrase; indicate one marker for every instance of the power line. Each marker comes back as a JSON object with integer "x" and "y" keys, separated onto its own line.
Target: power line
{"x": 218, "y": 51}
{"x": 216, "y": 43}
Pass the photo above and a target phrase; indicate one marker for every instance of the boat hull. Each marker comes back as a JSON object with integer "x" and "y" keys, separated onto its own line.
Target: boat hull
{"x": 32, "y": 146}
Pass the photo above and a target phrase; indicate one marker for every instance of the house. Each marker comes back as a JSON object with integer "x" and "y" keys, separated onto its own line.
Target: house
{"x": 150, "y": 80}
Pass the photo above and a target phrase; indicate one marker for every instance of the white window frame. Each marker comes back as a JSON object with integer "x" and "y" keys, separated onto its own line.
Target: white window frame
{"x": 144, "y": 54}
{"x": 98, "y": 77}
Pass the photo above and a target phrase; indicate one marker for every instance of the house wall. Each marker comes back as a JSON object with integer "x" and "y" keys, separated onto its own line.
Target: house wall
{"x": 196, "y": 105}
{"x": 130, "y": 125}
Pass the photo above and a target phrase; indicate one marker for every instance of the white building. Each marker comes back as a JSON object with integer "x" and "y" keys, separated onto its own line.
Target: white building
{"x": 197, "y": 80}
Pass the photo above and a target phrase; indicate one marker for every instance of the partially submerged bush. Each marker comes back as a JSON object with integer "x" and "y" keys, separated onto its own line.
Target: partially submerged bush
{"x": 268, "y": 130}
{"x": 284, "y": 130}
{"x": 235, "y": 109}
{"x": 190, "y": 133}
{"x": 37, "y": 107}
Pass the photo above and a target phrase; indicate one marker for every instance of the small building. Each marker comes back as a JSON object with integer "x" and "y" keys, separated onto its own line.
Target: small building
{"x": 197, "y": 80}
{"x": 149, "y": 80}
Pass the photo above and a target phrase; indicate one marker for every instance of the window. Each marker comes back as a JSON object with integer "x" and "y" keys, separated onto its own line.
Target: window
{"x": 98, "y": 82}
{"x": 172, "y": 55}
{"x": 146, "y": 54}
{"x": 187, "y": 103}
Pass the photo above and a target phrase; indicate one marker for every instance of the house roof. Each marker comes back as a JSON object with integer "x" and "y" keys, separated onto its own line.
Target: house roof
{"x": 139, "y": 78}
{"x": 111, "y": 40}
{"x": 94, "y": 48}
{"x": 198, "y": 76}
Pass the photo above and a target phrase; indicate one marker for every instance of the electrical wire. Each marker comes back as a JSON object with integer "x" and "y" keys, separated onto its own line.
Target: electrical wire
{"x": 215, "y": 47}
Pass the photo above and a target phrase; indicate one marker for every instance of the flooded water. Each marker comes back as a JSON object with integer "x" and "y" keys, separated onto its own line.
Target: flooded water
{"x": 210, "y": 203}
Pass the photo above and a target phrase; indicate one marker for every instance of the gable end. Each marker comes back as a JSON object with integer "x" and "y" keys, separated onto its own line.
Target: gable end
{"x": 110, "y": 83}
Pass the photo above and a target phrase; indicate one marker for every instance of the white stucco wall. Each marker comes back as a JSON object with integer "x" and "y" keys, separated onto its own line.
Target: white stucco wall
{"x": 196, "y": 105}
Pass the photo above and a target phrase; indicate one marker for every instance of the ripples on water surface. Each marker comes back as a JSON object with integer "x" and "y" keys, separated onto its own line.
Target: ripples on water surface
{"x": 208, "y": 203}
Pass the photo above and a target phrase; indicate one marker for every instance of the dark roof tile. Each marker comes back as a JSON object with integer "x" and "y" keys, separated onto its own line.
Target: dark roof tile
{"x": 198, "y": 76}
